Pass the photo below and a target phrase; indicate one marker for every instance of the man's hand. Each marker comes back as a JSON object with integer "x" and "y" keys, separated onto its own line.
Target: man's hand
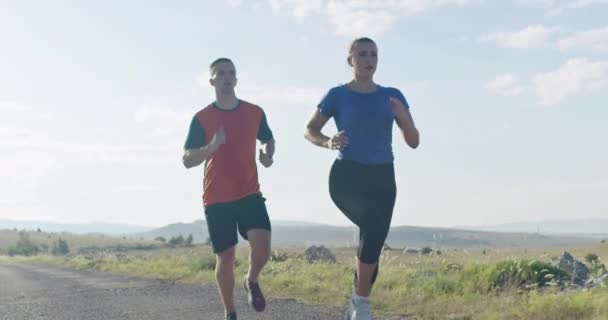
{"x": 338, "y": 142}
{"x": 265, "y": 158}
{"x": 218, "y": 139}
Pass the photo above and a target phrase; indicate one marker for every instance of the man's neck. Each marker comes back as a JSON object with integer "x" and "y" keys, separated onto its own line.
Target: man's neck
{"x": 226, "y": 102}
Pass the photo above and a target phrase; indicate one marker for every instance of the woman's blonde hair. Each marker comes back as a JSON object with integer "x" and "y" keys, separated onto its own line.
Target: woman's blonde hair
{"x": 357, "y": 41}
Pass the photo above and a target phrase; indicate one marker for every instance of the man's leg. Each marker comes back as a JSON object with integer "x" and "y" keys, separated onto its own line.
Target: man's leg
{"x": 224, "y": 275}
{"x": 259, "y": 240}
{"x": 254, "y": 225}
{"x": 222, "y": 227}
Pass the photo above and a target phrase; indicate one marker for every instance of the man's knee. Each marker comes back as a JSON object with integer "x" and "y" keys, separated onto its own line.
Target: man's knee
{"x": 226, "y": 256}
{"x": 259, "y": 240}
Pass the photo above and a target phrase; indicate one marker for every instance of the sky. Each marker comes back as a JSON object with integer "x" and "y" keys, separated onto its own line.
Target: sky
{"x": 509, "y": 97}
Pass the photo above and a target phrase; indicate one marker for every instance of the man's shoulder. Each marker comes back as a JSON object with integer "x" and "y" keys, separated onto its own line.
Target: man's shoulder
{"x": 249, "y": 105}
{"x": 249, "y": 108}
{"x": 205, "y": 110}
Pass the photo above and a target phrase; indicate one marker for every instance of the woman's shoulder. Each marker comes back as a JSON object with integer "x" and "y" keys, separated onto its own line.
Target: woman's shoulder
{"x": 335, "y": 91}
{"x": 338, "y": 88}
{"x": 389, "y": 90}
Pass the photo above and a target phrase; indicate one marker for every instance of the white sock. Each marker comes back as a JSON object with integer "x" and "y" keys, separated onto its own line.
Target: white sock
{"x": 359, "y": 298}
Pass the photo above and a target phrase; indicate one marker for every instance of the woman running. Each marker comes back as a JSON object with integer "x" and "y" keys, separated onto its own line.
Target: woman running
{"x": 362, "y": 178}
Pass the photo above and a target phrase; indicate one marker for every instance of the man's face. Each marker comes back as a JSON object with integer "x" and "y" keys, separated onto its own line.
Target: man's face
{"x": 223, "y": 77}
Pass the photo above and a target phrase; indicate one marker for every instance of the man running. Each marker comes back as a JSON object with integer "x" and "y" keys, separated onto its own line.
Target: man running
{"x": 223, "y": 136}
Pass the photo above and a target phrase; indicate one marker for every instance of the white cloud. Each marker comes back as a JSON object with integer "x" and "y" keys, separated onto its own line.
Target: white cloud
{"x": 20, "y": 173}
{"x": 529, "y": 37}
{"x": 135, "y": 188}
{"x": 595, "y": 38}
{"x": 162, "y": 121}
{"x": 20, "y": 143}
{"x": 561, "y": 187}
{"x": 17, "y": 109}
{"x": 264, "y": 94}
{"x": 506, "y": 85}
{"x": 356, "y": 17}
{"x": 557, "y": 7}
{"x": 132, "y": 154}
{"x": 573, "y": 77}
{"x": 11, "y": 106}
{"x": 297, "y": 8}
{"x": 23, "y": 168}
{"x": 23, "y": 138}
{"x": 583, "y": 3}
{"x": 234, "y": 3}
{"x": 351, "y": 21}
{"x": 26, "y": 157}
{"x": 269, "y": 95}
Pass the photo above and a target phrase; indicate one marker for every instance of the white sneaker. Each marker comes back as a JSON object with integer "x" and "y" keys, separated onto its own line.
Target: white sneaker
{"x": 358, "y": 310}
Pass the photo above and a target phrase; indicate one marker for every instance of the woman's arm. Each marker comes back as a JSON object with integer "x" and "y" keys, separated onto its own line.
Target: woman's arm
{"x": 313, "y": 133}
{"x": 406, "y": 123}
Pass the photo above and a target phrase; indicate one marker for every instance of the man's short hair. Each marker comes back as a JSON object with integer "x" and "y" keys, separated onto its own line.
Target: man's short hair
{"x": 216, "y": 62}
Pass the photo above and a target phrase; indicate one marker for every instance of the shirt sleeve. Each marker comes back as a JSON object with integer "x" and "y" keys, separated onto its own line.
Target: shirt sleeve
{"x": 196, "y": 135}
{"x": 397, "y": 94}
{"x": 264, "y": 132}
{"x": 327, "y": 105}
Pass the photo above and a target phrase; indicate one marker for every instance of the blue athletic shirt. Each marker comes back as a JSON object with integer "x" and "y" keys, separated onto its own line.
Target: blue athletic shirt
{"x": 367, "y": 119}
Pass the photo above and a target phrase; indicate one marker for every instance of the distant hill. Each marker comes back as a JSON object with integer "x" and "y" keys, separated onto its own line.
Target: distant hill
{"x": 578, "y": 227}
{"x": 294, "y": 235}
{"x": 88, "y": 228}
{"x": 299, "y": 234}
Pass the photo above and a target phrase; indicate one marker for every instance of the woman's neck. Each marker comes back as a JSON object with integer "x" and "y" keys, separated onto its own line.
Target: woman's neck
{"x": 363, "y": 85}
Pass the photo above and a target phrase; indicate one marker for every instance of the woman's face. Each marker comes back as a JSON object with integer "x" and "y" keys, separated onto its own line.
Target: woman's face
{"x": 364, "y": 59}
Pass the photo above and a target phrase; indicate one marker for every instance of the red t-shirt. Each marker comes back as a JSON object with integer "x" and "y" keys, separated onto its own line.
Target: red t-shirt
{"x": 231, "y": 171}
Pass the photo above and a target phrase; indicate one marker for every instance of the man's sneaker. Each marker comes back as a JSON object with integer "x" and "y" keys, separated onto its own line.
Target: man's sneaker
{"x": 255, "y": 296}
{"x": 231, "y": 316}
{"x": 358, "y": 310}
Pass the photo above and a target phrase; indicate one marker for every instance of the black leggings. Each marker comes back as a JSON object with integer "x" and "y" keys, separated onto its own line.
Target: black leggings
{"x": 366, "y": 195}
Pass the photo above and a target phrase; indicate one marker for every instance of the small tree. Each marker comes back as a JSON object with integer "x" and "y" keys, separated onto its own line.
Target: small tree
{"x": 24, "y": 246}
{"x": 161, "y": 239}
{"x": 189, "y": 240}
{"x": 176, "y": 241}
{"x": 60, "y": 247}
{"x": 426, "y": 251}
{"x": 592, "y": 258}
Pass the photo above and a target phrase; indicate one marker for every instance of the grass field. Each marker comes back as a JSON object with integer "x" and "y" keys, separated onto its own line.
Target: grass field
{"x": 457, "y": 284}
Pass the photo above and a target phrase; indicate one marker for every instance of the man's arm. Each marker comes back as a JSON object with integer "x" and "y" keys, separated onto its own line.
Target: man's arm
{"x": 266, "y": 153}
{"x": 196, "y": 151}
{"x": 194, "y": 157}
{"x": 268, "y": 148}
{"x": 266, "y": 139}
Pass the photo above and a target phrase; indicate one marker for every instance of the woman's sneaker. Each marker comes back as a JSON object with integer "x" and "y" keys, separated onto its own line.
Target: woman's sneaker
{"x": 231, "y": 316}
{"x": 358, "y": 310}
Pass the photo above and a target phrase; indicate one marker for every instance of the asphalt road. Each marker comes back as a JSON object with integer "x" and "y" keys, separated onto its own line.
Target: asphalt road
{"x": 36, "y": 292}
